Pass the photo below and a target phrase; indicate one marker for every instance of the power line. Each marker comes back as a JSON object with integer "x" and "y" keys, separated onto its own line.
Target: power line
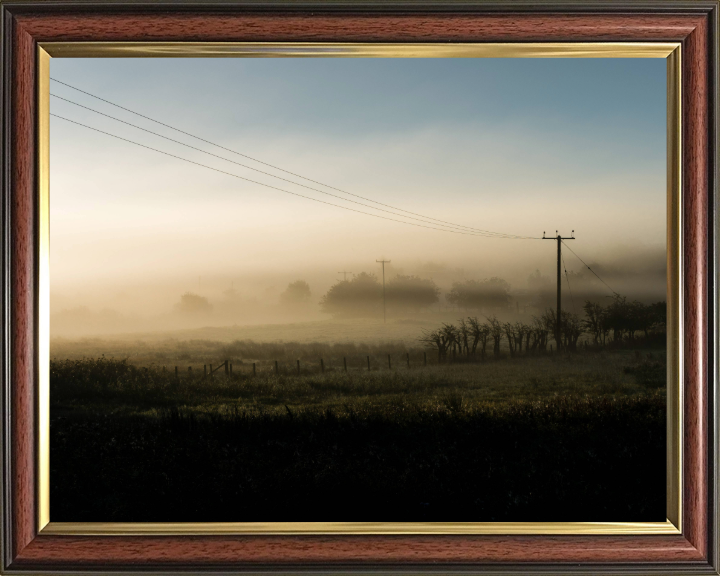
{"x": 269, "y": 185}
{"x": 457, "y": 226}
{"x": 383, "y": 262}
{"x": 568, "y": 283}
{"x": 444, "y": 222}
{"x": 591, "y": 270}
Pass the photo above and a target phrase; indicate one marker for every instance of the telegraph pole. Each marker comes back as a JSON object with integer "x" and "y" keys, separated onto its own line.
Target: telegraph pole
{"x": 383, "y": 262}
{"x": 344, "y": 273}
{"x": 559, "y": 240}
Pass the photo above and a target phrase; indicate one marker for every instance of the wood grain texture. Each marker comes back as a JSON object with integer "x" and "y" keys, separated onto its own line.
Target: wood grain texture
{"x": 208, "y": 551}
{"x": 22, "y": 262}
{"x": 675, "y": 552}
{"x": 695, "y": 237}
{"x": 249, "y": 27}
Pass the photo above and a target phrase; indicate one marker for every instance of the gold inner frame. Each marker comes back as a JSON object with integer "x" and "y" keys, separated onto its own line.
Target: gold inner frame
{"x": 668, "y": 50}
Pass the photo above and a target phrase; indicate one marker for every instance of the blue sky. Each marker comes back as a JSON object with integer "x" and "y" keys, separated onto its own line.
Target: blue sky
{"x": 511, "y": 145}
{"x": 338, "y": 96}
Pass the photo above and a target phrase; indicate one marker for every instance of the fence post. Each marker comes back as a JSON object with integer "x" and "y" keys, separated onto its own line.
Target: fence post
{"x": 176, "y": 373}
{"x": 389, "y": 365}
{"x": 204, "y": 370}
{"x": 345, "y": 363}
{"x": 368, "y": 359}
{"x": 408, "y": 359}
{"x": 227, "y": 367}
{"x": 254, "y": 369}
{"x": 424, "y": 358}
{"x": 322, "y": 365}
{"x": 298, "y": 364}
{"x": 277, "y": 370}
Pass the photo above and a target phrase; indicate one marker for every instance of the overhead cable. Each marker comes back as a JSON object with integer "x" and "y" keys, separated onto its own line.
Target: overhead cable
{"x": 435, "y": 220}
{"x": 268, "y": 185}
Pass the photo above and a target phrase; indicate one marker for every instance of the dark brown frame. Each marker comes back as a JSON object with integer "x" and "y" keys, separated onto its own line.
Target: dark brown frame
{"x": 24, "y": 24}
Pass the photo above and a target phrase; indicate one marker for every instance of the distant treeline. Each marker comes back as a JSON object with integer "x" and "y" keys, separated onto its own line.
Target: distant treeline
{"x": 618, "y": 322}
{"x": 362, "y": 295}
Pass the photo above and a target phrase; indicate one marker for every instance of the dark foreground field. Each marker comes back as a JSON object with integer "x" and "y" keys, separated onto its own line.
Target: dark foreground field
{"x": 562, "y": 460}
{"x": 556, "y": 438}
{"x": 569, "y": 437}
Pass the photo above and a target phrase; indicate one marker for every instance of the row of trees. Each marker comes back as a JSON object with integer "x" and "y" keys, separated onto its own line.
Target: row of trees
{"x": 623, "y": 319}
{"x": 362, "y": 295}
{"x": 296, "y": 293}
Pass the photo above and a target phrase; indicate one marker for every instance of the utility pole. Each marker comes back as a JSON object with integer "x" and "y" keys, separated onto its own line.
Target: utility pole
{"x": 344, "y": 273}
{"x": 558, "y": 312}
{"x": 383, "y": 262}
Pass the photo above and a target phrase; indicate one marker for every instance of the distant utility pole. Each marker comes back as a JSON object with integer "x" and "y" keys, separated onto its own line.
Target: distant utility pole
{"x": 383, "y": 262}
{"x": 559, "y": 240}
{"x": 344, "y": 273}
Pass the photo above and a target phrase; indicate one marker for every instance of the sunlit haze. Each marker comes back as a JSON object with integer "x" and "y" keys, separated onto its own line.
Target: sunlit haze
{"x": 514, "y": 146}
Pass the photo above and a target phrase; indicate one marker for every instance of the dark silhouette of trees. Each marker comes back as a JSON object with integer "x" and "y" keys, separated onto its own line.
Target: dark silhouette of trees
{"x": 509, "y": 331}
{"x": 359, "y": 297}
{"x": 595, "y": 322}
{"x": 443, "y": 339}
{"x": 362, "y": 296}
{"x": 657, "y": 320}
{"x": 464, "y": 336}
{"x": 193, "y": 305}
{"x": 621, "y": 318}
{"x": 478, "y": 295}
{"x": 410, "y": 293}
{"x": 496, "y": 332}
{"x": 471, "y": 336}
{"x": 625, "y": 318}
{"x": 571, "y": 328}
{"x": 480, "y": 335}
{"x": 538, "y": 333}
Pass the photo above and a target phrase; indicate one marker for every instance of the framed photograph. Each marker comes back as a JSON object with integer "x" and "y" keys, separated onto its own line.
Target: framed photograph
{"x": 278, "y": 297}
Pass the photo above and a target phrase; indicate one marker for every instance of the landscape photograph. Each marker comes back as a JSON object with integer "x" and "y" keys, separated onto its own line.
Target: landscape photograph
{"x": 358, "y": 290}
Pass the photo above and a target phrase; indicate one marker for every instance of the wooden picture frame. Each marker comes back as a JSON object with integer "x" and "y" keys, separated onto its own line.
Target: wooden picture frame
{"x": 26, "y": 548}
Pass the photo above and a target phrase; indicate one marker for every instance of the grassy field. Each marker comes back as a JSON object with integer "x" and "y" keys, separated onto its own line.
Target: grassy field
{"x": 118, "y": 385}
{"x": 552, "y": 437}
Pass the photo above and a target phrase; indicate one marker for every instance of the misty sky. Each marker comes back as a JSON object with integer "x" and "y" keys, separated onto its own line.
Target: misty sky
{"x": 518, "y": 146}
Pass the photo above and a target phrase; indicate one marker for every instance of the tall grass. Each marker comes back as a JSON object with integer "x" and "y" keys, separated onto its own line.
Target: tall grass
{"x": 563, "y": 459}
{"x": 576, "y": 437}
{"x": 116, "y": 383}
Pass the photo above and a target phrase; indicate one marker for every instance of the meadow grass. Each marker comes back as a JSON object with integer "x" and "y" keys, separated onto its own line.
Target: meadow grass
{"x": 562, "y": 459}
{"x": 119, "y": 384}
{"x": 540, "y": 438}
